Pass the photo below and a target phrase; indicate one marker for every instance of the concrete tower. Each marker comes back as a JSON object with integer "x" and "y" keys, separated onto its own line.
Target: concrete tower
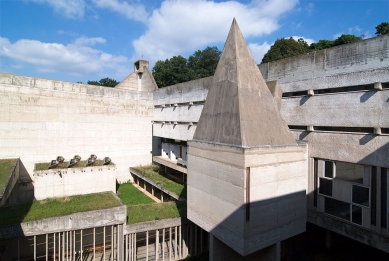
{"x": 247, "y": 175}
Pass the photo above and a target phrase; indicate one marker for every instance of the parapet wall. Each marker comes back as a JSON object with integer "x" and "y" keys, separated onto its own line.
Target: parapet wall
{"x": 74, "y": 181}
{"x": 358, "y": 63}
{"x": 41, "y": 119}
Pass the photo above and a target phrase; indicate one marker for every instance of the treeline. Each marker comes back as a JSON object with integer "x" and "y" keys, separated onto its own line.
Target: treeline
{"x": 285, "y": 48}
{"x": 179, "y": 69}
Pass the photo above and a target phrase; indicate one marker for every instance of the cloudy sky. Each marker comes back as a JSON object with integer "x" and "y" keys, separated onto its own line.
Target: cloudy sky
{"x": 81, "y": 40}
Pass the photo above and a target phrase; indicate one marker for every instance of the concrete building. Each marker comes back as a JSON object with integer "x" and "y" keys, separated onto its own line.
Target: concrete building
{"x": 319, "y": 154}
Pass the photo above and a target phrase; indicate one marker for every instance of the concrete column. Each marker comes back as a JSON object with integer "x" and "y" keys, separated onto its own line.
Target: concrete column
{"x": 34, "y": 248}
{"x": 63, "y": 245}
{"x": 135, "y": 247}
{"x": 328, "y": 239}
{"x": 180, "y": 242}
{"x": 53, "y": 244}
{"x": 147, "y": 245}
{"x": 170, "y": 243}
{"x": 81, "y": 248}
{"x": 120, "y": 242}
{"x": 47, "y": 247}
{"x": 195, "y": 240}
{"x": 104, "y": 243}
{"x": 163, "y": 244}
{"x": 175, "y": 243}
{"x": 156, "y": 245}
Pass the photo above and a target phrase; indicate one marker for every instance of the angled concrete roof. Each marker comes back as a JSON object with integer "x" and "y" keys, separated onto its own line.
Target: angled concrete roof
{"x": 239, "y": 109}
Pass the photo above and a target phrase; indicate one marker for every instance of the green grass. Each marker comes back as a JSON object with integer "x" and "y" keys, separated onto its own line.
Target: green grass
{"x": 56, "y": 207}
{"x": 156, "y": 211}
{"x": 5, "y": 170}
{"x": 64, "y": 165}
{"x": 156, "y": 174}
{"x": 130, "y": 195}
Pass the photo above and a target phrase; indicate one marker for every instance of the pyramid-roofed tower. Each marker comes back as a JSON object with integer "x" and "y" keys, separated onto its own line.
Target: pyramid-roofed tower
{"x": 239, "y": 109}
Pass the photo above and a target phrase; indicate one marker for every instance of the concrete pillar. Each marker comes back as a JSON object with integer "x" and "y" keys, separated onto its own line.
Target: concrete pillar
{"x": 104, "y": 243}
{"x": 180, "y": 242}
{"x": 163, "y": 244}
{"x": 170, "y": 243}
{"x": 81, "y": 248}
{"x": 34, "y": 248}
{"x": 175, "y": 243}
{"x": 156, "y": 245}
{"x": 328, "y": 239}
{"x": 53, "y": 245}
{"x": 47, "y": 247}
{"x": 135, "y": 247}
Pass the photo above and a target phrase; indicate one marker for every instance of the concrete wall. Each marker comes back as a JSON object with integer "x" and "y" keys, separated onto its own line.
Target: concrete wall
{"x": 7, "y": 197}
{"x": 217, "y": 193}
{"x": 330, "y": 68}
{"x": 81, "y": 220}
{"x": 74, "y": 181}
{"x": 41, "y": 119}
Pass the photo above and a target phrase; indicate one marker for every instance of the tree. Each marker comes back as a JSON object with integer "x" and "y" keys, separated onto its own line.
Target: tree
{"x": 172, "y": 71}
{"x": 321, "y": 44}
{"x": 382, "y": 28}
{"x": 179, "y": 69}
{"x": 107, "y": 82}
{"x": 203, "y": 63}
{"x": 346, "y": 38}
{"x": 284, "y": 48}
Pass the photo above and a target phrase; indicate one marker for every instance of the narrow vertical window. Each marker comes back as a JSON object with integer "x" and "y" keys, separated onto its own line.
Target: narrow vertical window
{"x": 329, "y": 169}
{"x": 315, "y": 182}
{"x": 374, "y": 196}
{"x": 384, "y": 192}
{"x": 247, "y": 194}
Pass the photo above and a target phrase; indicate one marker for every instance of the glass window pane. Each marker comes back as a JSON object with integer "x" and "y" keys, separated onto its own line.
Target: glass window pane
{"x": 360, "y": 195}
{"x": 337, "y": 208}
{"x": 350, "y": 172}
{"x": 357, "y": 215}
{"x": 325, "y": 187}
{"x": 329, "y": 169}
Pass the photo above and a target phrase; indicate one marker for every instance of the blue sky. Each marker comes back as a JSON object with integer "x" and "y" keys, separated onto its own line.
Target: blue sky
{"x": 81, "y": 40}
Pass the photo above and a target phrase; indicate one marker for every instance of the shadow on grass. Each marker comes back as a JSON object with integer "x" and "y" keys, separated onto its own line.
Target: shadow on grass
{"x": 14, "y": 214}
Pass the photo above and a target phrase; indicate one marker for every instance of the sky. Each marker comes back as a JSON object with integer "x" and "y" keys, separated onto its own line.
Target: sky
{"x": 81, "y": 40}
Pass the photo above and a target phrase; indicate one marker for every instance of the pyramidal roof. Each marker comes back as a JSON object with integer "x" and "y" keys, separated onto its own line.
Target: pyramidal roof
{"x": 239, "y": 109}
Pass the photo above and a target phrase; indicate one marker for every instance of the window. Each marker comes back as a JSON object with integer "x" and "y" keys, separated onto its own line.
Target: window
{"x": 337, "y": 208}
{"x": 350, "y": 172}
{"x": 360, "y": 195}
{"x": 356, "y": 215}
{"x": 329, "y": 169}
{"x": 325, "y": 187}
{"x": 374, "y": 196}
{"x": 384, "y": 198}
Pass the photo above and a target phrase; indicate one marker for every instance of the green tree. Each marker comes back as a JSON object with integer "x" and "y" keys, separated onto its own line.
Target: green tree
{"x": 179, "y": 69}
{"x": 284, "y": 48}
{"x": 203, "y": 63}
{"x": 107, "y": 82}
{"x": 346, "y": 38}
{"x": 172, "y": 71}
{"x": 382, "y": 28}
{"x": 321, "y": 44}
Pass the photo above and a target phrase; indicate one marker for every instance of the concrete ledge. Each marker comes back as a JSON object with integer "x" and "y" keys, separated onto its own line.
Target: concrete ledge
{"x": 155, "y": 224}
{"x": 81, "y": 220}
{"x": 12, "y": 179}
{"x": 346, "y": 229}
{"x": 169, "y": 163}
{"x": 172, "y": 194}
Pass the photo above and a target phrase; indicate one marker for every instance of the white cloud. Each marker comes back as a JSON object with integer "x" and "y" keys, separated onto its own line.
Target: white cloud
{"x": 355, "y": 30}
{"x": 69, "y": 8}
{"x": 258, "y": 51}
{"x": 336, "y": 36}
{"x": 75, "y": 58}
{"x": 89, "y": 41}
{"x": 310, "y": 8}
{"x": 308, "y": 40}
{"x": 178, "y": 27}
{"x": 131, "y": 11}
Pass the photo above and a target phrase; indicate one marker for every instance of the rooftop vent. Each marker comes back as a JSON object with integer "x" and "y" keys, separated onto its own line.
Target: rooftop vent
{"x": 106, "y": 161}
{"x": 53, "y": 164}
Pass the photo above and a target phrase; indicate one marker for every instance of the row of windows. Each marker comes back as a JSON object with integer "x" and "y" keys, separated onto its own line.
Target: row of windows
{"x": 362, "y": 196}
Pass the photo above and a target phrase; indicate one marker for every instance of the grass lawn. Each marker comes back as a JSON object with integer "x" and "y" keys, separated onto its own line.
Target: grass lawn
{"x": 156, "y": 211}
{"x": 5, "y": 169}
{"x": 156, "y": 174}
{"x": 130, "y": 195}
{"x": 56, "y": 207}
{"x": 64, "y": 165}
